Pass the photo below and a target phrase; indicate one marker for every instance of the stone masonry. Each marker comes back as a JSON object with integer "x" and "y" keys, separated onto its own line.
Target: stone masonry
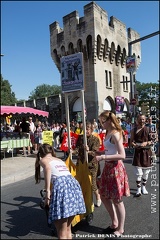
{"x": 104, "y": 45}
{"x": 105, "y": 48}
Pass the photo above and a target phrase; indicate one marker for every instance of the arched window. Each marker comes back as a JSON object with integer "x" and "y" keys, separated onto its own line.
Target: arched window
{"x": 63, "y": 51}
{"x": 118, "y": 55}
{"x": 79, "y": 45}
{"x": 105, "y": 48}
{"x": 89, "y": 46}
{"x": 112, "y": 52}
{"x": 123, "y": 57}
{"x": 98, "y": 45}
{"x": 70, "y": 48}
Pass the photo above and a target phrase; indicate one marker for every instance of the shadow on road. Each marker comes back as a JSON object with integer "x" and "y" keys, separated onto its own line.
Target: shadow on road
{"x": 81, "y": 226}
{"x": 27, "y": 218}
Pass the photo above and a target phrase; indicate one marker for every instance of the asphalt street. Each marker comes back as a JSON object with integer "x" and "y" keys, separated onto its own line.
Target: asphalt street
{"x": 22, "y": 217}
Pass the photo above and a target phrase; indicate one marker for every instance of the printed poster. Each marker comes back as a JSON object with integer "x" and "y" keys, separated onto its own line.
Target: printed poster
{"x": 131, "y": 64}
{"x": 72, "y": 72}
{"x": 47, "y": 137}
{"x": 119, "y": 104}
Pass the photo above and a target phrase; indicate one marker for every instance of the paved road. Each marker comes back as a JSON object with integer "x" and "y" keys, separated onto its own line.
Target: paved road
{"x": 22, "y": 218}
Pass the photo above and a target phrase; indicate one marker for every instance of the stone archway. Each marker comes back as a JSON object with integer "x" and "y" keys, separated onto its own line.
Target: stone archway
{"x": 77, "y": 109}
{"x": 77, "y": 106}
{"x": 109, "y": 104}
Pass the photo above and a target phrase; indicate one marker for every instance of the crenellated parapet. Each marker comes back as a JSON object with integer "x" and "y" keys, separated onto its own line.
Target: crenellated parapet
{"x": 104, "y": 44}
{"x": 73, "y": 37}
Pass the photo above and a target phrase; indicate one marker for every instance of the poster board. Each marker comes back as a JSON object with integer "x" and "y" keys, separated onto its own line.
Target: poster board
{"x": 72, "y": 77}
{"x": 47, "y": 137}
{"x": 119, "y": 104}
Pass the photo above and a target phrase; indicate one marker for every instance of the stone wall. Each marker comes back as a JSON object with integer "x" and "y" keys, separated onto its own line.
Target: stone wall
{"x": 104, "y": 44}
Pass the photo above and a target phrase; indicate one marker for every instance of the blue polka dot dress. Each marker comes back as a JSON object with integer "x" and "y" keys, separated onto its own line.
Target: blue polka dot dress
{"x": 66, "y": 199}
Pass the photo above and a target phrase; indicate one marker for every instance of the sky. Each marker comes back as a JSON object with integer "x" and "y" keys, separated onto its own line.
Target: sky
{"x": 25, "y": 39}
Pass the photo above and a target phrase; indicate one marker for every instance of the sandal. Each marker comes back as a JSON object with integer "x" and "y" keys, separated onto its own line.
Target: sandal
{"x": 98, "y": 204}
{"x": 109, "y": 230}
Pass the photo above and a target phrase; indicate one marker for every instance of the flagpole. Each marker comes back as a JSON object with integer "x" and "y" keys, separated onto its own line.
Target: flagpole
{"x": 68, "y": 123}
{"x": 84, "y": 126}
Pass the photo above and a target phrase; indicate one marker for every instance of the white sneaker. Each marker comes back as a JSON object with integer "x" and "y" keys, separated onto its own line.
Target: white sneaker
{"x": 144, "y": 191}
{"x": 98, "y": 204}
{"x": 138, "y": 193}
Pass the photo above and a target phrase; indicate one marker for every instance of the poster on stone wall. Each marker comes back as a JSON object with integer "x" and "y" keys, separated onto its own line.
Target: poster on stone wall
{"x": 119, "y": 104}
{"x": 72, "y": 77}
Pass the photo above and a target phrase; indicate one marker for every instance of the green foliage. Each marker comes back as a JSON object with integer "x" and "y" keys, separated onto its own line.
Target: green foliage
{"x": 21, "y": 100}
{"x": 146, "y": 95}
{"x": 45, "y": 90}
{"x": 7, "y": 96}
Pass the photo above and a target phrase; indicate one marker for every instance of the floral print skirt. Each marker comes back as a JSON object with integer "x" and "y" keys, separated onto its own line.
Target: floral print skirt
{"x": 114, "y": 181}
{"x": 66, "y": 199}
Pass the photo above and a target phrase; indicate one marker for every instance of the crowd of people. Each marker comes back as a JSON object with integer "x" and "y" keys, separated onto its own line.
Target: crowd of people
{"x": 64, "y": 196}
{"x": 35, "y": 130}
{"x": 113, "y": 184}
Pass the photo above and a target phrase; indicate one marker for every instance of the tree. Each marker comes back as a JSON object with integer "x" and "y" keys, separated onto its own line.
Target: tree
{"x": 144, "y": 90}
{"x": 146, "y": 95}
{"x": 7, "y": 96}
{"x": 44, "y": 90}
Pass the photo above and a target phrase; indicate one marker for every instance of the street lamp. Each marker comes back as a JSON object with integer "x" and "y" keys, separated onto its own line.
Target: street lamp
{"x": 131, "y": 72}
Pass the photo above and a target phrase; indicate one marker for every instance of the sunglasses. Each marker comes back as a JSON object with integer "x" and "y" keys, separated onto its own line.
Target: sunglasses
{"x": 102, "y": 122}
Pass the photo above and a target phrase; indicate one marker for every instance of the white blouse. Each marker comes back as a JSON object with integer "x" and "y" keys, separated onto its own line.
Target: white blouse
{"x": 58, "y": 168}
{"x": 110, "y": 147}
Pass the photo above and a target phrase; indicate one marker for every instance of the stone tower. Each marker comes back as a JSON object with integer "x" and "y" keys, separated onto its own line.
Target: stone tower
{"x": 104, "y": 45}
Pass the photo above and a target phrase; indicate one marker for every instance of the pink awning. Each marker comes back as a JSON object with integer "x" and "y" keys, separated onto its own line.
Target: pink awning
{"x": 7, "y": 110}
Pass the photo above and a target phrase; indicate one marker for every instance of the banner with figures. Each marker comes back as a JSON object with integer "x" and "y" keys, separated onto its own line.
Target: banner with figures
{"x": 131, "y": 64}
{"x": 74, "y": 137}
{"x": 119, "y": 100}
{"x": 72, "y": 78}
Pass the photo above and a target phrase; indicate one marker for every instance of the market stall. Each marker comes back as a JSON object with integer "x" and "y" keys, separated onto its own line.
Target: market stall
{"x": 12, "y": 140}
{"x": 8, "y": 110}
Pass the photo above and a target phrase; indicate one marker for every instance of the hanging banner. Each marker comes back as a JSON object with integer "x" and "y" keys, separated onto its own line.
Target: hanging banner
{"x": 72, "y": 72}
{"x": 119, "y": 100}
{"x": 74, "y": 138}
{"x": 131, "y": 64}
{"x": 64, "y": 145}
